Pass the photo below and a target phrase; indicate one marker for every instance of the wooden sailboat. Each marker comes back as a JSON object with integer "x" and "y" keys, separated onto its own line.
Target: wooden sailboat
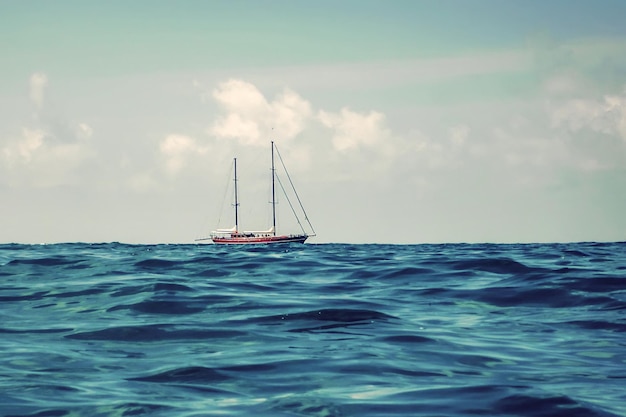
{"x": 235, "y": 236}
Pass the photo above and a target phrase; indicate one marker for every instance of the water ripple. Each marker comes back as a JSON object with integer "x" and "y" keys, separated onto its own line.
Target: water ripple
{"x": 313, "y": 330}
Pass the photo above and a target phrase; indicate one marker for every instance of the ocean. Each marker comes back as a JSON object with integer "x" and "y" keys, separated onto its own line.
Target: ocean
{"x": 313, "y": 330}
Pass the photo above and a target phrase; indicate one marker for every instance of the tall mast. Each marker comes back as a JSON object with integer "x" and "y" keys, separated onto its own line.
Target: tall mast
{"x": 273, "y": 194}
{"x": 236, "y": 199}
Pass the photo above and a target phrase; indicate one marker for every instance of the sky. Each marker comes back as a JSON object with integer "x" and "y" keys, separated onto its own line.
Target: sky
{"x": 403, "y": 121}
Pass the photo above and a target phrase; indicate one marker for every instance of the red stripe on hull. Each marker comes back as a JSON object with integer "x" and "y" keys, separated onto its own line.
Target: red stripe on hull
{"x": 259, "y": 240}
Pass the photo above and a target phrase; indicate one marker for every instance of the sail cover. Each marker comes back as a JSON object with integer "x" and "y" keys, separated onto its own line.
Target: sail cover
{"x": 231, "y": 230}
{"x": 270, "y": 230}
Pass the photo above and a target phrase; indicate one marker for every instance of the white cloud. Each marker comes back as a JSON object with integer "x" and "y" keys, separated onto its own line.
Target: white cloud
{"x": 606, "y": 115}
{"x": 21, "y": 151}
{"x": 36, "y": 159}
{"x": 379, "y": 75}
{"x": 515, "y": 137}
{"x": 45, "y": 154}
{"x": 83, "y": 131}
{"x": 241, "y": 97}
{"x": 564, "y": 83}
{"x": 354, "y": 130}
{"x": 459, "y": 135}
{"x": 290, "y": 114}
{"x": 205, "y": 94}
{"x": 177, "y": 149}
{"x": 251, "y": 119}
{"x": 32, "y": 140}
{"x": 175, "y": 144}
{"x": 142, "y": 182}
{"x": 38, "y": 83}
{"x": 237, "y": 126}
{"x": 616, "y": 106}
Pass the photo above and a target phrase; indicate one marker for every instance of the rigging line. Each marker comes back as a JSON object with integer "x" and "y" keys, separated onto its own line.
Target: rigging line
{"x": 268, "y": 207}
{"x": 306, "y": 217}
{"x": 219, "y": 219}
{"x": 290, "y": 205}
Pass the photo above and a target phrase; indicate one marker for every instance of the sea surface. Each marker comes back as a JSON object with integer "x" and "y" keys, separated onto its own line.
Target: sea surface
{"x": 313, "y": 330}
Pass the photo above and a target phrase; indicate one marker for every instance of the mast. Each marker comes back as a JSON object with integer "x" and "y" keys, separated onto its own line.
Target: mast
{"x": 236, "y": 199}
{"x": 273, "y": 194}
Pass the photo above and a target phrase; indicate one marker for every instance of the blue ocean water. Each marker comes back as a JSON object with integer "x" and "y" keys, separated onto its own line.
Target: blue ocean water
{"x": 313, "y": 330}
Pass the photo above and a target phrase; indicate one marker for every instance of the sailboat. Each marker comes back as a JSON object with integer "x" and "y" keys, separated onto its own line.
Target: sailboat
{"x": 235, "y": 236}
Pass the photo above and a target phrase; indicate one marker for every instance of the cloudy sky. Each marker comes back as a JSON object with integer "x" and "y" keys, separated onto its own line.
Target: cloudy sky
{"x": 400, "y": 121}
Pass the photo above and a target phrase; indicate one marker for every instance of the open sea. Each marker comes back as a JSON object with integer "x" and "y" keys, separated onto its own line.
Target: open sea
{"x": 313, "y": 330}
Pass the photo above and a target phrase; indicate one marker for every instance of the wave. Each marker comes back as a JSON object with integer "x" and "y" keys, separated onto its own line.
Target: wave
{"x": 316, "y": 330}
{"x": 154, "y": 333}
